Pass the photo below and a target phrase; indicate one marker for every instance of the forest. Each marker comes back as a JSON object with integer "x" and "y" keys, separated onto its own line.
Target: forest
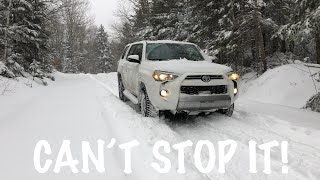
{"x": 39, "y": 36}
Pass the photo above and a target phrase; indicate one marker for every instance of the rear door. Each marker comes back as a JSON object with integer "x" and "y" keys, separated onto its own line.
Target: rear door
{"x": 133, "y": 68}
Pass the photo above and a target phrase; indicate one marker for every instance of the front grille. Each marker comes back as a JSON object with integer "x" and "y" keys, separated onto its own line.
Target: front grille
{"x": 195, "y": 90}
{"x": 193, "y": 77}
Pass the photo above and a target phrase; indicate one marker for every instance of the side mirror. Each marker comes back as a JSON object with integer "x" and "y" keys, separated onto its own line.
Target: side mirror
{"x": 212, "y": 58}
{"x": 134, "y": 58}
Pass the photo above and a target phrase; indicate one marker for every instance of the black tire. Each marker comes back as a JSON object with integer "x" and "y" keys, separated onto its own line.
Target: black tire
{"x": 228, "y": 112}
{"x": 146, "y": 108}
{"x": 121, "y": 90}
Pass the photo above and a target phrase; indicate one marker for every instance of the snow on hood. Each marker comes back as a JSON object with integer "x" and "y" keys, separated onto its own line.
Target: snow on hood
{"x": 186, "y": 66}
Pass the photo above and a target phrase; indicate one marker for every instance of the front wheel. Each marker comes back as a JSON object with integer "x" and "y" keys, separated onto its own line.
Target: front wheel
{"x": 228, "y": 112}
{"x": 146, "y": 108}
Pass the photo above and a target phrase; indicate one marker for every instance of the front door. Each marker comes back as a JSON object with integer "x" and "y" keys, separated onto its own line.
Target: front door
{"x": 133, "y": 68}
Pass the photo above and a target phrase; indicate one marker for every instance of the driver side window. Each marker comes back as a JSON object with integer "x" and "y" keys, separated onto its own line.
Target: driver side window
{"x": 136, "y": 50}
{"x": 131, "y": 52}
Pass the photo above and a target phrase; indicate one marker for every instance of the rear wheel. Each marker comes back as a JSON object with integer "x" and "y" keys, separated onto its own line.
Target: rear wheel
{"x": 121, "y": 90}
{"x": 227, "y": 112}
{"x": 146, "y": 108}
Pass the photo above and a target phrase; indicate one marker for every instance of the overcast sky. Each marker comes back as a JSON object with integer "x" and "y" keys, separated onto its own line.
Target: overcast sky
{"x": 103, "y": 11}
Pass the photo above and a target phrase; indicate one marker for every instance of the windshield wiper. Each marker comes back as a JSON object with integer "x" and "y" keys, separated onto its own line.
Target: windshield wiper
{"x": 158, "y": 59}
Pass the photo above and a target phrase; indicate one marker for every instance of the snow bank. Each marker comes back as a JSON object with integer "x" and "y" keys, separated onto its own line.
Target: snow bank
{"x": 288, "y": 85}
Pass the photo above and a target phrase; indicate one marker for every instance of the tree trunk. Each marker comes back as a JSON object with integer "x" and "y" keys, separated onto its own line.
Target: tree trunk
{"x": 283, "y": 46}
{"x": 318, "y": 46}
{"x": 291, "y": 46}
{"x": 234, "y": 29}
{"x": 5, "y": 54}
{"x": 260, "y": 50}
{"x": 253, "y": 50}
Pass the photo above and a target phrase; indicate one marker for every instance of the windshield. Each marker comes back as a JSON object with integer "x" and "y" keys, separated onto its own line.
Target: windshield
{"x": 171, "y": 51}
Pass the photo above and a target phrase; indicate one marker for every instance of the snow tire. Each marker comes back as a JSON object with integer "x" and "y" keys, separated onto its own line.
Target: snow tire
{"x": 228, "y": 112}
{"x": 121, "y": 90}
{"x": 146, "y": 108}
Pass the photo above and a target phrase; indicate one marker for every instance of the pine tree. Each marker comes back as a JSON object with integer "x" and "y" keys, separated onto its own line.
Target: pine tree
{"x": 24, "y": 32}
{"x": 68, "y": 65}
{"x": 304, "y": 26}
{"x": 164, "y": 17}
{"x": 105, "y": 58}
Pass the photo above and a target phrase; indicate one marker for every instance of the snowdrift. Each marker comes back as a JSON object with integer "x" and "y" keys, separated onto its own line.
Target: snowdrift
{"x": 288, "y": 85}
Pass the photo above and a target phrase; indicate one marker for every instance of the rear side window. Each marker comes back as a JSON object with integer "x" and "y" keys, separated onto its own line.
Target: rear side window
{"x": 124, "y": 52}
{"x": 136, "y": 50}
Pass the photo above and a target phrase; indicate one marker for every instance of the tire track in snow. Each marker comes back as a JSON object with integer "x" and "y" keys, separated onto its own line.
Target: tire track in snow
{"x": 147, "y": 130}
{"x": 179, "y": 137}
{"x": 171, "y": 135}
{"x": 219, "y": 127}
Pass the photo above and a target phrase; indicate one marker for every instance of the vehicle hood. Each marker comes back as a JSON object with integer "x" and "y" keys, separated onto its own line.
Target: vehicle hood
{"x": 185, "y": 66}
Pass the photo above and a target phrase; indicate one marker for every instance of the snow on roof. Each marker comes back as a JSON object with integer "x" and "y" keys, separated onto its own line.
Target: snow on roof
{"x": 163, "y": 41}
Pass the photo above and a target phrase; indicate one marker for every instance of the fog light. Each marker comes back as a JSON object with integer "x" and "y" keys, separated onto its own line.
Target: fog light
{"x": 235, "y": 91}
{"x": 164, "y": 93}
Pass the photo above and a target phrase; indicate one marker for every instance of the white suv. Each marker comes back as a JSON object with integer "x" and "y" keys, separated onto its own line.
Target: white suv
{"x": 170, "y": 76}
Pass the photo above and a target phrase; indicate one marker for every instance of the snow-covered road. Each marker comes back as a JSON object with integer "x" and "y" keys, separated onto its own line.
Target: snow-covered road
{"x": 86, "y": 108}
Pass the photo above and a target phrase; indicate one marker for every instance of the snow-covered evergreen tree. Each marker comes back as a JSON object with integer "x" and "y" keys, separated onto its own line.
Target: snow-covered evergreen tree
{"x": 23, "y": 32}
{"x": 105, "y": 58}
{"x": 163, "y": 20}
{"x": 304, "y": 26}
{"x": 68, "y": 64}
{"x": 35, "y": 69}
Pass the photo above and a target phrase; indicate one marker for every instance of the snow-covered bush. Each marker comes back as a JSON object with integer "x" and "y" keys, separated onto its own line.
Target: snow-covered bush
{"x": 47, "y": 63}
{"x": 14, "y": 66}
{"x": 4, "y": 71}
{"x": 279, "y": 58}
{"x": 314, "y": 103}
{"x": 35, "y": 70}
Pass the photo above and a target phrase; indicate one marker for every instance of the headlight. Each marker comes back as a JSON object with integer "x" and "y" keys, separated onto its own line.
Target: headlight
{"x": 234, "y": 76}
{"x": 164, "y": 76}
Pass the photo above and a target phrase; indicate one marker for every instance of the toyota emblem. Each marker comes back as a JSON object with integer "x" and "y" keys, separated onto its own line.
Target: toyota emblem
{"x": 206, "y": 78}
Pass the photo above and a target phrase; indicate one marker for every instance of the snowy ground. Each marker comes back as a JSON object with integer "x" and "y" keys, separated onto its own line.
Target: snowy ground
{"x": 86, "y": 108}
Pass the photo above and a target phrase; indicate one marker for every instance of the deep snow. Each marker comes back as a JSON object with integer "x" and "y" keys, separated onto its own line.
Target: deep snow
{"x": 288, "y": 85}
{"x": 86, "y": 107}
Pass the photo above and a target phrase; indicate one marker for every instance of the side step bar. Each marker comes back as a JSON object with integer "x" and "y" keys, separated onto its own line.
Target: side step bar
{"x": 131, "y": 97}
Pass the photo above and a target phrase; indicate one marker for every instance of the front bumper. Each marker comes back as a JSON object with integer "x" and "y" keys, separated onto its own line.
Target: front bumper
{"x": 178, "y": 101}
{"x": 198, "y": 103}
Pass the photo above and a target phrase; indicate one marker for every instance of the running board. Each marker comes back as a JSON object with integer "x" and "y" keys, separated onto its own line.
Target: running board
{"x": 131, "y": 97}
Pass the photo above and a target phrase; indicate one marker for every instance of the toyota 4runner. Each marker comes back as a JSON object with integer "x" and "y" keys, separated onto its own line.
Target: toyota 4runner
{"x": 170, "y": 76}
